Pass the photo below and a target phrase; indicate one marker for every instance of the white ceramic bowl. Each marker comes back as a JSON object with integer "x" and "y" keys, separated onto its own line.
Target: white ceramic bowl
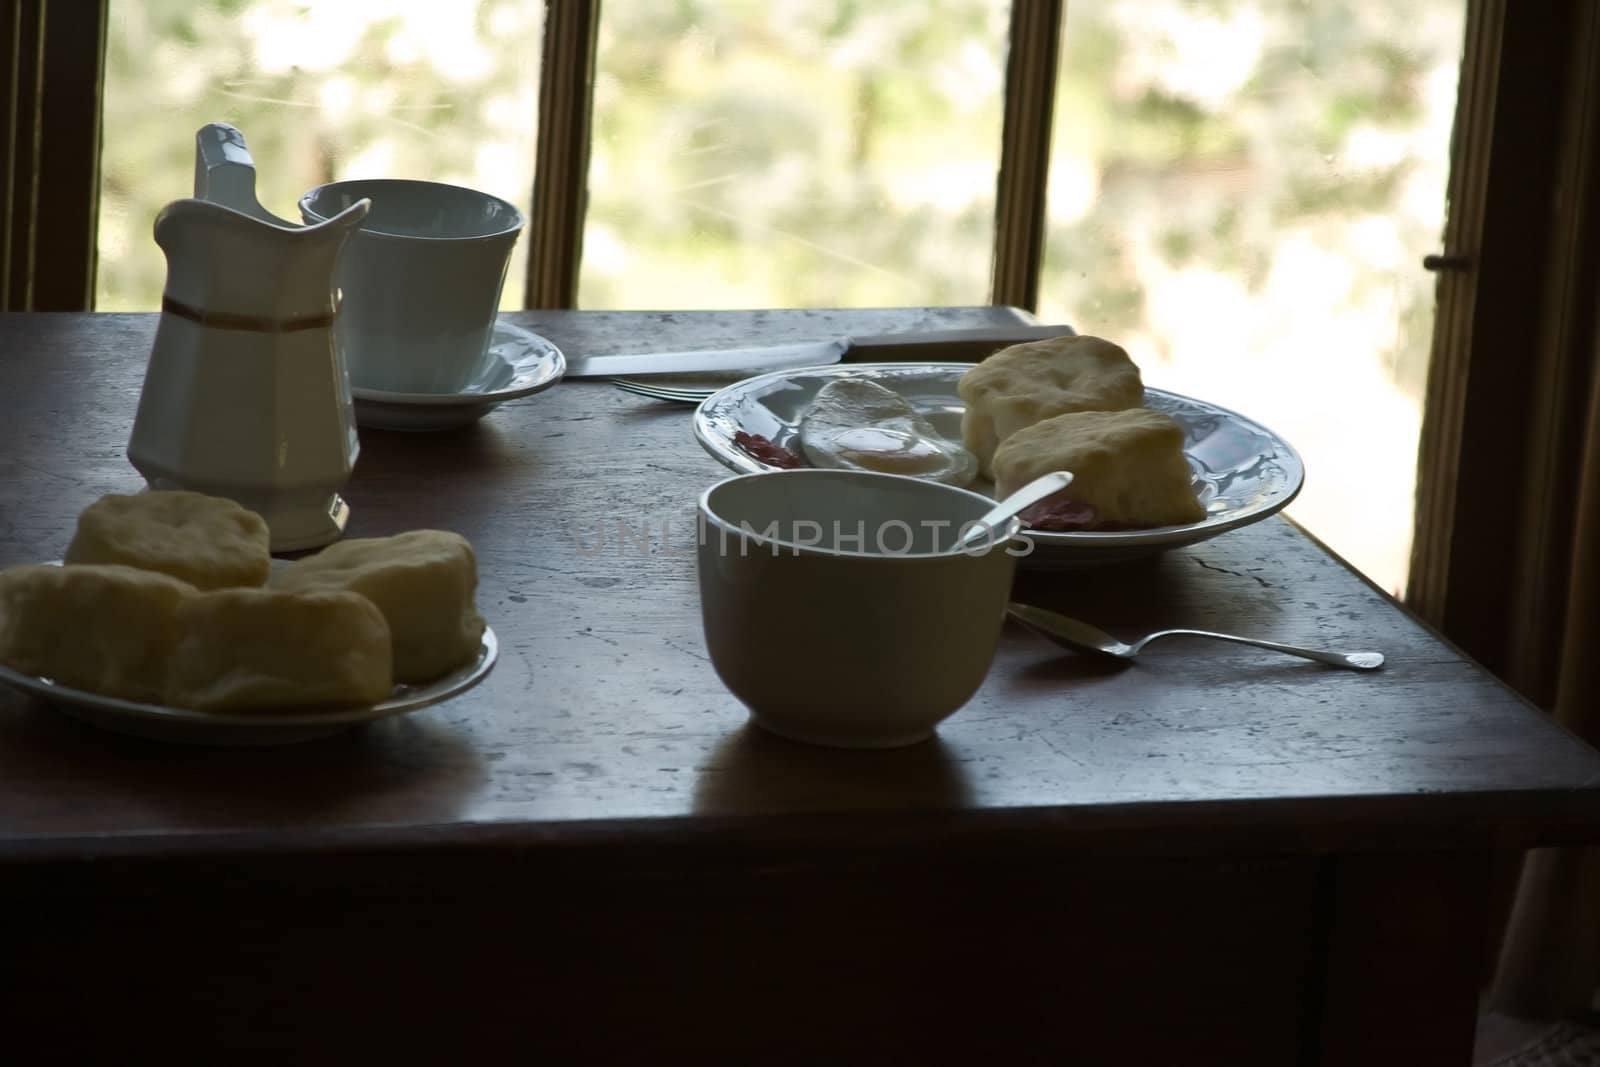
{"x": 832, "y": 612}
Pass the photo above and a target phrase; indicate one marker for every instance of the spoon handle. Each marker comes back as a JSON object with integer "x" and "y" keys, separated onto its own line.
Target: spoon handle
{"x": 1356, "y": 661}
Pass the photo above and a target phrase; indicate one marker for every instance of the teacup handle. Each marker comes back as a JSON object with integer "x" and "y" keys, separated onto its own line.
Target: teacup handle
{"x": 225, "y": 174}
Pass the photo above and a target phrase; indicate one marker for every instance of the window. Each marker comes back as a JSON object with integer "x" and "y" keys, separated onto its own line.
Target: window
{"x": 321, "y": 91}
{"x": 1240, "y": 192}
{"x": 794, "y": 154}
{"x": 1242, "y": 195}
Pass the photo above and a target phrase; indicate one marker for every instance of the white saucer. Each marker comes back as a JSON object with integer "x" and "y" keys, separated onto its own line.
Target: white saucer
{"x": 519, "y": 363}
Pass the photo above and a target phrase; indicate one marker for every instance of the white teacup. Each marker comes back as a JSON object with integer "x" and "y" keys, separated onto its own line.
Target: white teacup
{"x": 420, "y": 279}
{"x": 834, "y": 608}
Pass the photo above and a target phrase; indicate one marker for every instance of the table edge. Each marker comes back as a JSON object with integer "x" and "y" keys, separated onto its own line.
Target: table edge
{"x": 1297, "y": 826}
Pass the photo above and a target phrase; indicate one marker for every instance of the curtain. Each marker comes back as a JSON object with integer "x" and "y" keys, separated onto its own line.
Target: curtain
{"x": 1550, "y": 961}
{"x": 1506, "y": 560}
{"x": 1549, "y": 964}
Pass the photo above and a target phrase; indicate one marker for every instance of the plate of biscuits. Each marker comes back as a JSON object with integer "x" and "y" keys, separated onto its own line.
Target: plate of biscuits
{"x": 1153, "y": 470}
{"x": 167, "y": 618}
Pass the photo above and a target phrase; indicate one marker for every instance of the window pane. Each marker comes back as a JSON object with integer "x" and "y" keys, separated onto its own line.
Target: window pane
{"x": 322, "y": 90}
{"x": 1241, "y": 194}
{"x": 801, "y": 153}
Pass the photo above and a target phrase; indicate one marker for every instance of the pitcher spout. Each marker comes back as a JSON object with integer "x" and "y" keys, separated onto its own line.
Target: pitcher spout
{"x": 224, "y": 262}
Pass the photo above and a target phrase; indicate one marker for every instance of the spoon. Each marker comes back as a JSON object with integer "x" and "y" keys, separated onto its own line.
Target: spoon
{"x": 983, "y": 528}
{"x": 1081, "y": 637}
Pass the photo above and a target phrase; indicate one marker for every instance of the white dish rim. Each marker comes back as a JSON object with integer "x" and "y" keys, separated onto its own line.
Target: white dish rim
{"x": 408, "y": 698}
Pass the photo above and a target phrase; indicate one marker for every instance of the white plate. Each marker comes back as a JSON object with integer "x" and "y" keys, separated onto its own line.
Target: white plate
{"x": 519, "y": 363}
{"x": 248, "y": 728}
{"x": 1243, "y": 472}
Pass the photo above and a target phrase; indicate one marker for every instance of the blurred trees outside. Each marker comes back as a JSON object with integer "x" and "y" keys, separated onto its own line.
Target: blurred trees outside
{"x": 769, "y": 153}
{"x": 1241, "y": 190}
{"x": 445, "y": 90}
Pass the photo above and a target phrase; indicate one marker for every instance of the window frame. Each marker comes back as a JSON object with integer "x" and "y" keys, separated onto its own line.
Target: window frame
{"x": 561, "y": 153}
{"x": 51, "y": 81}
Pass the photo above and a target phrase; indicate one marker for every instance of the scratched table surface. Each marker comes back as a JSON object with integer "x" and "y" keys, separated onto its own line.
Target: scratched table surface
{"x": 604, "y": 712}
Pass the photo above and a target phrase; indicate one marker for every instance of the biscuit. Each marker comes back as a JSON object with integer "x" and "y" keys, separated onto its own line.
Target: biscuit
{"x": 107, "y": 629}
{"x": 262, "y": 649}
{"x": 1028, "y": 383}
{"x": 208, "y": 541}
{"x": 424, "y": 581}
{"x": 1128, "y": 465}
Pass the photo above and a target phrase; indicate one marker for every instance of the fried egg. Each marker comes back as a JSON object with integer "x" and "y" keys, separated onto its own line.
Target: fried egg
{"x": 857, "y": 424}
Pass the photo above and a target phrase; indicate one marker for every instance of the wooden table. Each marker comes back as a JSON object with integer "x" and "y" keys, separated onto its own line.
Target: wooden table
{"x": 1213, "y": 856}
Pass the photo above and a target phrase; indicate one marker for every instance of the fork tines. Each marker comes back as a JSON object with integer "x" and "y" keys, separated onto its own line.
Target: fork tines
{"x": 661, "y": 392}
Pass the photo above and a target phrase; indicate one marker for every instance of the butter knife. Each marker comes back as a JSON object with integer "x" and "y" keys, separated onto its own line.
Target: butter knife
{"x": 953, "y": 346}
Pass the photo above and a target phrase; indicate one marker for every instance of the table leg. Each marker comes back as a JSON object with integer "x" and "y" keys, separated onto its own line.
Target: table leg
{"x": 1402, "y": 941}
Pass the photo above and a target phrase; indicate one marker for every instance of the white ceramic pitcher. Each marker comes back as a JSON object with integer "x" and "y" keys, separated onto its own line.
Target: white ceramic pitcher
{"x": 246, "y": 394}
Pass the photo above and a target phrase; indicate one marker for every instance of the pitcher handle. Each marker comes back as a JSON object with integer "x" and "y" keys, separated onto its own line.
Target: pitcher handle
{"x": 225, "y": 174}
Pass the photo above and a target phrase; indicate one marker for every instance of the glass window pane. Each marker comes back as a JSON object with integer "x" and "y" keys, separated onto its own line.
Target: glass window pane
{"x": 1241, "y": 193}
{"x": 322, "y": 90}
{"x": 799, "y": 153}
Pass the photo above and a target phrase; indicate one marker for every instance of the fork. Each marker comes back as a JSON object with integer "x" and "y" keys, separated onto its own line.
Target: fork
{"x": 675, "y": 394}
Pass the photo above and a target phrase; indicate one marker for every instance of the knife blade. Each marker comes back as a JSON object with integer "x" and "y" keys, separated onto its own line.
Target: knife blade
{"x": 955, "y": 346}
{"x": 756, "y": 360}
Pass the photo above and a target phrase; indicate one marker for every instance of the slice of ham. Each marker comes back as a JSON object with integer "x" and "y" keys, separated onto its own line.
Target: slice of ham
{"x": 1059, "y": 513}
{"x": 773, "y": 455}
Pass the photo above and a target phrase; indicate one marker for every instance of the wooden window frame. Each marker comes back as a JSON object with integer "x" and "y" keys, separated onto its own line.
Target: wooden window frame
{"x": 1021, "y": 209}
{"x": 561, "y": 153}
{"x": 52, "y": 67}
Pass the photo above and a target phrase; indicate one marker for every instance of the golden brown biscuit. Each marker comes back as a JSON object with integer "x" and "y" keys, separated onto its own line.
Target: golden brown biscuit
{"x": 424, "y": 581}
{"x": 1128, "y": 465}
{"x": 1028, "y": 383}
{"x": 208, "y": 541}
{"x": 266, "y": 649}
{"x": 108, "y": 629}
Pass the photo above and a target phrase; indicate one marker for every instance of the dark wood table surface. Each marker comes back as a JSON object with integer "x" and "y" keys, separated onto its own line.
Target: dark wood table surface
{"x": 1213, "y": 855}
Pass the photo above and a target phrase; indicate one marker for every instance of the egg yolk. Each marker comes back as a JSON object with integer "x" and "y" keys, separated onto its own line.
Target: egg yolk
{"x": 888, "y": 451}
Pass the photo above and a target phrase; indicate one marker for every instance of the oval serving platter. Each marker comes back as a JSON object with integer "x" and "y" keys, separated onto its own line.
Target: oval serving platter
{"x": 1243, "y": 472}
